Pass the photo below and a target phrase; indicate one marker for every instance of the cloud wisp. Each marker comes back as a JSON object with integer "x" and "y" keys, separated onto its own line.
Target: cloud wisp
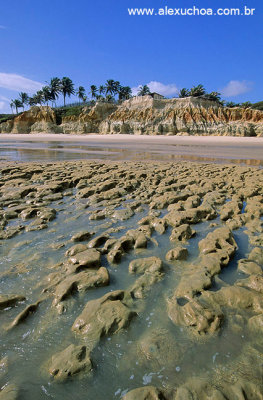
{"x": 158, "y": 87}
{"x": 2, "y": 27}
{"x": 18, "y": 83}
{"x": 235, "y": 88}
{"x": 3, "y": 98}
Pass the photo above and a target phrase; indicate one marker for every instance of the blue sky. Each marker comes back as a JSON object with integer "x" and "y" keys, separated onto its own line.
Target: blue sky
{"x": 94, "y": 41}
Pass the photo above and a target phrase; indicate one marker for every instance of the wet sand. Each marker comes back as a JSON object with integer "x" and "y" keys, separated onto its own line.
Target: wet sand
{"x": 216, "y": 148}
{"x": 131, "y": 280}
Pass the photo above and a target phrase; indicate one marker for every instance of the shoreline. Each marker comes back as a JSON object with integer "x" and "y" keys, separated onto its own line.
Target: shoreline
{"x": 130, "y": 147}
{"x": 148, "y": 138}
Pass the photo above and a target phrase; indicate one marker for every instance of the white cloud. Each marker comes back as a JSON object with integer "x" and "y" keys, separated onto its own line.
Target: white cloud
{"x": 235, "y": 88}
{"x": 18, "y": 82}
{"x": 4, "y": 98}
{"x": 2, "y": 105}
{"x": 158, "y": 87}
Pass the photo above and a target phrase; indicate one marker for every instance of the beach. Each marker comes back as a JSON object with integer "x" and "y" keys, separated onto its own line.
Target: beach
{"x": 117, "y": 147}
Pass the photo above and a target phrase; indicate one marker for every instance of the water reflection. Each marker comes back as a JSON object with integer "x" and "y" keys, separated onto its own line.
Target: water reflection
{"x": 63, "y": 151}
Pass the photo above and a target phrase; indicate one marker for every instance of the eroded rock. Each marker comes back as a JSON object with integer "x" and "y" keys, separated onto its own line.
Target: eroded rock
{"x": 178, "y": 253}
{"x": 182, "y": 233}
{"x": 105, "y": 316}
{"x": 89, "y": 258}
{"x": 148, "y": 264}
{"x": 144, "y": 393}
{"x": 9, "y": 300}
{"x": 69, "y": 362}
{"x": 201, "y": 317}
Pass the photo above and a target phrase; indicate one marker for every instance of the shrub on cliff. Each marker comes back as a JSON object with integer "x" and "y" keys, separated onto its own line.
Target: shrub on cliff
{"x": 257, "y": 106}
{"x": 7, "y": 117}
{"x": 67, "y": 112}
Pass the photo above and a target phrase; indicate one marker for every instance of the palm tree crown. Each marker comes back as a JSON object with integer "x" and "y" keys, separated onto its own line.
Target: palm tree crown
{"x": 125, "y": 93}
{"x": 110, "y": 86}
{"x": 47, "y": 94}
{"x": 23, "y": 98}
{"x": 67, "y": 88}
{"x": 197, "y": 91}
{"x": 12, "y": 106}
{"x": 55, "y": 88}
{"x": 143, "y": 90}
{"x": 101, "y": 89}
{"x": 184, "y": 93}
{"x": 18, "y": 104}
{"x": 81, "y": 93}
{"x": 93, "y": 91}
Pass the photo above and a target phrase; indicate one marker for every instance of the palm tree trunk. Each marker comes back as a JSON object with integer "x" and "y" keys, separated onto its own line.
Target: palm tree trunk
{"x": 64, "y": 99}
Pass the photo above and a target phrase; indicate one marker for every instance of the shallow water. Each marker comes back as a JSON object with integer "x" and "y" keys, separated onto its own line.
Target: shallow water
{"x": 118, "y": 361}
{"x": 26, "y": 150}
{"x": 118, "y": 364}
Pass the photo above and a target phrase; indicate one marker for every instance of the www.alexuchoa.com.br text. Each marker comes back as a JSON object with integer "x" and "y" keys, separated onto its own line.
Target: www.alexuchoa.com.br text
{"x": 191, "y": 11}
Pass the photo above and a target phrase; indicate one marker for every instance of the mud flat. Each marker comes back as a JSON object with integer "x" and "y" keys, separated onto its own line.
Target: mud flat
{"x": 131, "y": 280}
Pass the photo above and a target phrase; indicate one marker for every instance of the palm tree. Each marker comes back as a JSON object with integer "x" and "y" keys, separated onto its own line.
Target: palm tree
{"x": 110, "y": 87}
{"x": 197, "y": 91}
{"x": 246, "y": 104}
{"x": 39, "y": 97}
{"x": 12, "y": 105}
{"x": 231, "y": 104}
{"x": 117, "y": 87}
{"x": 102, "y": 89}
{"x": 125, "y": 93}
{"x": 23, "y": 97}
{"x": 47, "y": 94}
{"x": 32, "y": 101}
{"x": 143, "y": 90}
{"x": 81, "y": 93}
{"x": 214, "y": 96}
{"x": 184, "y": 93}
{"x": 18, "y": 104}
{"x": 67, "y": 88}
{"x": 93, "y": 91}
{"x": 55, "y": 88}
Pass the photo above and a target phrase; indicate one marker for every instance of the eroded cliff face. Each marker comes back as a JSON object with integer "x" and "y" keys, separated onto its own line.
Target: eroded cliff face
{"x": 36, "y": 120}
{"x": 144, "y": 116}
{"x": 182, "y": 116}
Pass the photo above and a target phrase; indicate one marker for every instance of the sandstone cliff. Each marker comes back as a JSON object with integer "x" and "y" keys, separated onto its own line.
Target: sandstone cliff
{"x": 144, "y": 115}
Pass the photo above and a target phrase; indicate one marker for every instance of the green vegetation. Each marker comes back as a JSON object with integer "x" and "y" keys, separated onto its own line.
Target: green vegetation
{"x": 199, "y": 91}
{"x": 17, "y": 104}
{"x": 65, "y": 87}
{"x": 143, "y": 90}
{"x": 258, "y": 106}
{"x": 6, "y": 117}
{"x": 68, "y": 111}
{"x": 112, "y": 91}
{"x": 24, "y": 99}
{"x": 246, "y": 104}
{"x": 81, "y": 93}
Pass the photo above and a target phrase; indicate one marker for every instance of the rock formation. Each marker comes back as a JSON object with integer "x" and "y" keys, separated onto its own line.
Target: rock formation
{"x": 144, "y": 116}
